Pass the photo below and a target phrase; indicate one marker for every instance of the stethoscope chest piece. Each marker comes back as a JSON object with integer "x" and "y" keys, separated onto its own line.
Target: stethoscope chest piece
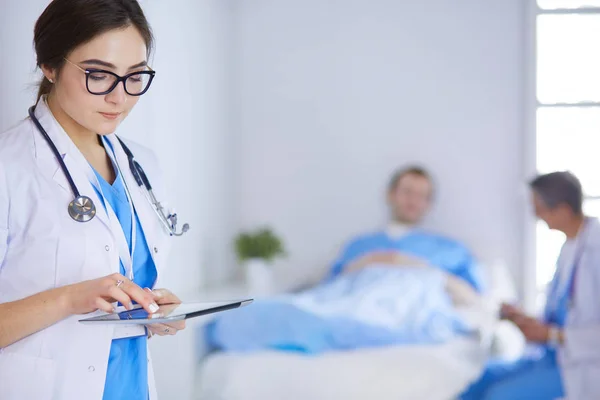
{"x": 82, "y": 209}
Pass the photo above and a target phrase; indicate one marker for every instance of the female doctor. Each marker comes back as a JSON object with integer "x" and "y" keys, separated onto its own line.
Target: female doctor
{"x": 567, "y": 361}
{"x": 80, "y": 229}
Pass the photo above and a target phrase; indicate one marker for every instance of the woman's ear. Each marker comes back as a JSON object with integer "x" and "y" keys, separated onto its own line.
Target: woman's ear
{"x": 48, "y": 73}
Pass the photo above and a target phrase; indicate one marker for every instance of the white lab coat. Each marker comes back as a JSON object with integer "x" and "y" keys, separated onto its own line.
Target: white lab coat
{"x": 579, "y": 357}
{"x": 41, "y": 248}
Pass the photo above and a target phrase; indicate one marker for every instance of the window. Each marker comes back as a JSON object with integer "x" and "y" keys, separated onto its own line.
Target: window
{"x": 567, "y": 109}
{"x": 567, "y": 4}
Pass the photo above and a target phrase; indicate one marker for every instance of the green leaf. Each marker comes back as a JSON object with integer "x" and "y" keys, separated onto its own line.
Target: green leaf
{"x": 261, "y": 243}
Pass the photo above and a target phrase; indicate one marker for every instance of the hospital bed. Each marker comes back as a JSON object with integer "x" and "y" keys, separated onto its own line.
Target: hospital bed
{"x": 431, "y": 372}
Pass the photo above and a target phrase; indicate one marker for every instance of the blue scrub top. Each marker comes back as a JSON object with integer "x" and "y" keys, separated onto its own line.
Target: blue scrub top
{"x": 560, "y": 296}
{"x": 127, "y": 375}
{"x": 558, "y": 305}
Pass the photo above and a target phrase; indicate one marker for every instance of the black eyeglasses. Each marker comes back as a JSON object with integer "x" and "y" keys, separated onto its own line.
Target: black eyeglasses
{"x": 100, "y": 82}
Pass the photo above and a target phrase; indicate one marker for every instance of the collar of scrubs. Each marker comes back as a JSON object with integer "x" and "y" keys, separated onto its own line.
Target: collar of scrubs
{"x": 125, "y": 252}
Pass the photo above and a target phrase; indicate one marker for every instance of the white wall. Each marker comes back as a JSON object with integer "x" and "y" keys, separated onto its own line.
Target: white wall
{"x": 182, "y": 118}
{"x": 334, "y": 95}
{"x": 17, "y": 65}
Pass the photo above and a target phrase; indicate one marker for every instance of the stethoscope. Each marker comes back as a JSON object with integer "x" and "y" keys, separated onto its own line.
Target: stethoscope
{"x": 83, "y": 209}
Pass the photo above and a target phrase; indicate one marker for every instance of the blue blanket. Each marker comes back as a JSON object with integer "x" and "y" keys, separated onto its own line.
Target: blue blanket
{"x": 376, "y": 306}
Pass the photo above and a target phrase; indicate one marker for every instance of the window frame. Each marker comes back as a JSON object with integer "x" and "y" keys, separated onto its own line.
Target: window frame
{"x": 530, "y": 289}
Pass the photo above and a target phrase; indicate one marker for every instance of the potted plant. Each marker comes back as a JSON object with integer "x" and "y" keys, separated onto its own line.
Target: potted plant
{"x": 257, "y": 250}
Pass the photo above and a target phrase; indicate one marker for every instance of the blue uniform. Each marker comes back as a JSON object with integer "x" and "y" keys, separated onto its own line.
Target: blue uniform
{"x": 127, "y": 375}
{"x": 439, "y": 251}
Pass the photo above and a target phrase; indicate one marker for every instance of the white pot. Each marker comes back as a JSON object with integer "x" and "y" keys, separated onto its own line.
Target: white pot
{"x": 259, "y": 276}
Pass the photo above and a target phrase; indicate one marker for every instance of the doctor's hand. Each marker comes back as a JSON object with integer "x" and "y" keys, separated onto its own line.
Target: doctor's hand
{"x": 510, "y": 312}
{"x": 98, "y": 294}
{"x": 163, "y": 297}
{"x": 533, "y": 330}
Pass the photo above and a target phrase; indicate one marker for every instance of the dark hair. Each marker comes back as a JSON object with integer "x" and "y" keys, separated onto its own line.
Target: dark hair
{"x": 410, "y": 170}
{"x": 67, "y": 24}
{"x": 558, "y": 188}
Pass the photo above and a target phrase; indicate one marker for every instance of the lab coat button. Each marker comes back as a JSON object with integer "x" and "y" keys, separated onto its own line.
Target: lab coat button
{"x": 91, "y": 368}
{"x": 107, "y": 248}
{"x": 155, "y": 249}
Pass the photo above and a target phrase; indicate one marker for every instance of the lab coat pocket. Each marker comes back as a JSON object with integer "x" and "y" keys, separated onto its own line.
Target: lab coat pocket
{"x": 26, "y": 377}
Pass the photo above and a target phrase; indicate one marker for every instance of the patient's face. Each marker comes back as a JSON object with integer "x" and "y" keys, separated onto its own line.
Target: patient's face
{"x": 411, "y": 198}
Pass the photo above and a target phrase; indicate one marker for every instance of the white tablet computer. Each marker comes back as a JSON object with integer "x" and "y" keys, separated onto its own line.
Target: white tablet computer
{"x": 166, "y": 313}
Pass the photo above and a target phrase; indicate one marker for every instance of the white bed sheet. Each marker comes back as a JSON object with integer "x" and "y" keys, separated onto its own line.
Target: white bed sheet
{"x": 415, "y": 372}
{"x": 428, "y": 372}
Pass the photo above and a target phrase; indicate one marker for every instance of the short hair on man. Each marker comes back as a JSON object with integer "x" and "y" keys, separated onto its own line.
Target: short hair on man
{"x": 558, "y": 188}
{"x": 409, "y": 170}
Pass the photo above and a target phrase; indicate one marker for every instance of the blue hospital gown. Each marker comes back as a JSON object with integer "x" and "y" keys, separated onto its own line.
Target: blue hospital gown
{"x": 439, "y": 251}
{"x": 127, "y": 375}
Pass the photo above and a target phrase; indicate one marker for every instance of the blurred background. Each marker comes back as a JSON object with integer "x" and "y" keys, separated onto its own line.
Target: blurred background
{"x": 293, "y": 114}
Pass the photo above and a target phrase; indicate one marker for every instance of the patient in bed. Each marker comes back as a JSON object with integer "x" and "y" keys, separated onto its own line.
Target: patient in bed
{"x": 403, "y": 243}
{"x": 399, "y": 286}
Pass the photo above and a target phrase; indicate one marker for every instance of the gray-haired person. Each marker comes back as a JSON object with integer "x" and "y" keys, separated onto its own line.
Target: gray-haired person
{"x": 568, "y": 335}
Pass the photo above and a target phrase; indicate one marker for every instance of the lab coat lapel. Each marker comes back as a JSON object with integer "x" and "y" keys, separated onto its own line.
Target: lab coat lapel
{"x": 76, "y": 163}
